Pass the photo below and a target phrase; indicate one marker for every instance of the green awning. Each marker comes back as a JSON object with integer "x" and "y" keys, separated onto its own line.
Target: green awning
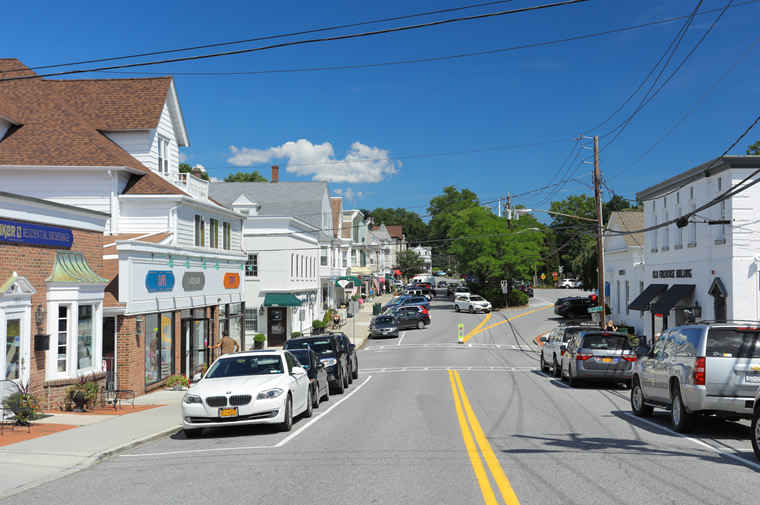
{"x": 72, "y": 267}
{"x": 281, "y": 300}
{"x": 357, "y": 281}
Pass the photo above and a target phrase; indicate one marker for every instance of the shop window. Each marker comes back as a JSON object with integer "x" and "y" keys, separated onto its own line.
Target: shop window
{"x": 252, "y": 266}
{"x": 213, "y": 233}
{"x": 159, "y": 346}
{"x": 85, "y": 337}
{"x": 200, "y": 231}
{"x": 12, "y": 349}
{"x": 63, "y": 338}
{"x": 252, "y": 320}
{"x": 226, "y": 235}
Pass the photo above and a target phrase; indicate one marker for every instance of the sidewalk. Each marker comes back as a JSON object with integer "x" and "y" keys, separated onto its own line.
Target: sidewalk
{"x": 92, "y": 438}
{"x": 357, "y": 327}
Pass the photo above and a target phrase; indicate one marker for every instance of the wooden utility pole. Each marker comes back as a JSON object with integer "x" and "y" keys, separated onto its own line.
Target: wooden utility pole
{"x": 599, "y": 231}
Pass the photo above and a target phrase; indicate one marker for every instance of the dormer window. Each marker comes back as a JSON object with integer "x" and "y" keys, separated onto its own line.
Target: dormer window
{"x": 163, "y": 155}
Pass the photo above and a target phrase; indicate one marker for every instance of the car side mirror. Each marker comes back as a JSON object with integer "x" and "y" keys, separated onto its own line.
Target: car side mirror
{"x": 642, "y": 350}
{"x": 563, "y": 347}
{"x": 297, "y": 370}
{"x": 543, "y": 339}
{"x": 352, "y": 346}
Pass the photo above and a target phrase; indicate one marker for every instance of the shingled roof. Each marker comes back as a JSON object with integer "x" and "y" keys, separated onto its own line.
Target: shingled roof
{"x": 629, "y": 220}
{"x": 51, "y": 132}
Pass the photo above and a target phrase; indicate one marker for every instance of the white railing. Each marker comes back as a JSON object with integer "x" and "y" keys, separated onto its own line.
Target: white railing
{"x": 189, "y": 183}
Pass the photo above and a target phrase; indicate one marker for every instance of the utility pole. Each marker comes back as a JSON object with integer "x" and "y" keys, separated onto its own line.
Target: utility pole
{"x": 498, "y": 212}
{"x": 600, "y": 229}
{"x": 509, "y": 212}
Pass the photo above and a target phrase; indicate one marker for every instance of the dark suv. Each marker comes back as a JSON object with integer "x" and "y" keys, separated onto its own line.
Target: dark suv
{"x": 573, "y": 307}
{"x": 350, "y": 350}
{"x": 411, "y": 317}
{"x": 331, "y": 353}
{"x": 524, "y": 287}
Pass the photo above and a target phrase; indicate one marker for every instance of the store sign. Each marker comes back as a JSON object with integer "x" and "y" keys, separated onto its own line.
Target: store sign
{"x": 366, "y": 278}
{"x": 683, "y": 273}
{"x": 231, "y": 280}
{"x": 27, "y": 233}
{"x": 193, "y": 281}
{"x": 159, "y": 280}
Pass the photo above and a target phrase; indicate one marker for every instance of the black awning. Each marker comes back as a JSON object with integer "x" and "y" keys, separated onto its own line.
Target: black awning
{"x": 641, "y": 301}
{"x": 671, "y": 298}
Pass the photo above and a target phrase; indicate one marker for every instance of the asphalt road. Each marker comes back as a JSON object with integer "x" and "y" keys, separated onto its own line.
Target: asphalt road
{"x": 432, "y": 421}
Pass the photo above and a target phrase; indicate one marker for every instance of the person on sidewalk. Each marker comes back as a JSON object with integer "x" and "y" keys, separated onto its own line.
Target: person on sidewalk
{"x": 227, "y": 344}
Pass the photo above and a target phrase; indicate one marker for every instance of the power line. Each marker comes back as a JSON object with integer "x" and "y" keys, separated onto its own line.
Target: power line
{"x": 308, "y": 41}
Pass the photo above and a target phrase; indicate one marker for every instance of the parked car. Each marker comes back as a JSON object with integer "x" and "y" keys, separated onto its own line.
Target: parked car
{"x": 422, "y": 291}
{"x": 460, "y": 290}
{"x": 411, "y": 317}
{"x": 598, "y": 355}
{"x": 415, "y": 300}
{"x": 573, "y": 307}
{"x": 571, "y": 283}
{"x": 442, "y": 284}
{"x": 451, "y": 287}
{"x": 524, "y": 287}
{"x": 700, "y": 369}
{"x": 424, "y": 278}
{"x": 330, "y": 352}
{"x": 441, "y": 273}
{"x": 383, "y": 326}
{"x": 254, "y": 387}
{"x": 554, "y": 347}
{"x": 471, "y": 303}
{"x": 315, "y": 369}
{"x": 471, "y": 279}
{"x": 350, "y": 350}
{"x": 756, "y": 426}
{"x": 395, "y": 302}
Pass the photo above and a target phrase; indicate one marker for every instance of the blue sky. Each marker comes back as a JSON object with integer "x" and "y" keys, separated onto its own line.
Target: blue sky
{"x": 411, "y": 117}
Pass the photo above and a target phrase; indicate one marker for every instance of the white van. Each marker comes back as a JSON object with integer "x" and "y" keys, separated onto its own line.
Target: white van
{"x": 424, "y": 278}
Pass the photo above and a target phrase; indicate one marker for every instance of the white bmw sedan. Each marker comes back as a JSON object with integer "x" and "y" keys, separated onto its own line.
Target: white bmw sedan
{"x": 257, "y": 387}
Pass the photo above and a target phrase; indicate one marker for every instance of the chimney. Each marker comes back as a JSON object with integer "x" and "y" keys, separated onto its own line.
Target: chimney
{"x": 275, "y": 173}
{"x": 197, "y": 172}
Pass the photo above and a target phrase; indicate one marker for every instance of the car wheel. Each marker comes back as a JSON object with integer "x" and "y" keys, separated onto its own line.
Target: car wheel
{"x": 192, "y": 433}
{"x": 756, "y": 433}
{"x": 346, "y": 379}
{"x": 563, "y": 375}
{"x": 326, "y": 396}
{"x": 287, "y": 424}
{"x": 472, "y": 310}
{"x": 681, "y": 420}
{"x": 340, "y": 386}
{"x": 315, "y": 396}
{"x": 571, "y": 381}
{"x": 355, "y": 373}
{"x": 544, "y": 366}
{"x": 420, "y": 324}
{"x": 639, "y": 408}
{"x": 456, "y": 308}
{"x": 309, "y": 405}
{"x": 349, "y": 376}
{"x": 556, "y": 370}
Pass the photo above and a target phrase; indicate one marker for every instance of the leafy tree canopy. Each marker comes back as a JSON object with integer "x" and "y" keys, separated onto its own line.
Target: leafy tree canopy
{"x": 410, "y": 263}
{"x": 754, "y": 149}
{"x": 443, "y": 207}
{"x": 185, "y": 168}
{"x": 254, "y": 176}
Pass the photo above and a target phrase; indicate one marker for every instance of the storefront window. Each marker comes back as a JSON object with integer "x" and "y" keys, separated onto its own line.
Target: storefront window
{"x": 159, "y": 346}
{"x": 84, "y": 337}
{"x": 231, "y": 319}
{"x": 251, "y": 320}
{"x": 63, "y": 336}
{"x": 12, "y": 348}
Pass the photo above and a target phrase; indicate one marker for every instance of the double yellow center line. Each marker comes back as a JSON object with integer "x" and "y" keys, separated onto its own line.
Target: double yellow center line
{"x": 472, "y": 433}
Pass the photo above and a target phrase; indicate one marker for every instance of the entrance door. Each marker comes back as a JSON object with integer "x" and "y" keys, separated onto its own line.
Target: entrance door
{"x": 277, "y": 326}
{"x": 194, "y": 338}
{"x": 109, "y": 342}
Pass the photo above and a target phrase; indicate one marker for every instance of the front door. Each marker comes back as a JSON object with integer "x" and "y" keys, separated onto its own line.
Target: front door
{"x": 109, "y": 342}
{"x": 277, "y": 326}
{"x": 15, "y": 352}
{"x": 194, "y": 338}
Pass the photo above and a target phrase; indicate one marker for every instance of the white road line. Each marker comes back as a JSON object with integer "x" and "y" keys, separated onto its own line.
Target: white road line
{"x": 696, "y": 441}
{"x": 559, "y": 382}
{"x": 280, "y": 444}
{"x": 401, "y": 338}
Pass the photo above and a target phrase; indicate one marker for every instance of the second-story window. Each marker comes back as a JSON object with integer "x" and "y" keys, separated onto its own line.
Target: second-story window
{"x": 213, "y": 233}
{"x": 226, "y": 235}
{"x": 163, "y": 155}
{"x": 665, "y": 232}
{"x": 252, "y": 266}
{"x": 323, "y": 259}
{"x": 200, "y": 231}
{"x": 345, "y": 259}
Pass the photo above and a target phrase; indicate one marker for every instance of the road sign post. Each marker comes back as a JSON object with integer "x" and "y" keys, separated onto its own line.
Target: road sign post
{"x": 461, "y": 333}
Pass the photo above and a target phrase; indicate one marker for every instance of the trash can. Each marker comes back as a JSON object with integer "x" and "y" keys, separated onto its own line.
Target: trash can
{"x": 377, "y": 309}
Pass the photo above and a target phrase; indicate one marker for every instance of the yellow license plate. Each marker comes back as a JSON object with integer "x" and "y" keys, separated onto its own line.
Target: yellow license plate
{"x": 606, "y": 360}
{"x": 228, "y": 412}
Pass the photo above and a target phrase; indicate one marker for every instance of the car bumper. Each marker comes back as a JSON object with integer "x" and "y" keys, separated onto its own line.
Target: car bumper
{"x": 195, "y": 415}
{"x": 597, "y": 374}
{"x": 695, "y": 399}
{"x": 381, "y": 334}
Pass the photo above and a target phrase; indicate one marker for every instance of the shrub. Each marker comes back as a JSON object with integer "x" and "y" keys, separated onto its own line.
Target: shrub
{"x": 295, "y": 334}
{"x": 260, "y": 337}
{"x": 318, "y": 324}
{"x": 517, "y": 297}
{"x": 177, "y": 379}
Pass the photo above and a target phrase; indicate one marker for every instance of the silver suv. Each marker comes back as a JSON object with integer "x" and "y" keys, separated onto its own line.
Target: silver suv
{"x": 706, "y": 368}
{"x": 554, "y": 346}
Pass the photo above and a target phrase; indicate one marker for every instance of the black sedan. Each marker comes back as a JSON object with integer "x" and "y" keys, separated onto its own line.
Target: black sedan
{"x": 573, "y": 307}
{"x": 383, "y": 326}
{"x": 411, "y": 317}
{"x": 350, "y": 350}
{"x": 319, "y": 389}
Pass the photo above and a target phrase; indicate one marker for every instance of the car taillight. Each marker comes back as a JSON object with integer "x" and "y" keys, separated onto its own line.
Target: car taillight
{"x": 583, "y": 356}
{"x": 629, "y": 357}
{"x": 562, "y": 352}
{"x": 424, "y": 310}
{"x": 699, "y": 371}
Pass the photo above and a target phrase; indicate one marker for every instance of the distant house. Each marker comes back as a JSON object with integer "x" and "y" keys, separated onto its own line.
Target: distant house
{"x": 426, "y": 253}
{"x": 624, "y": 266}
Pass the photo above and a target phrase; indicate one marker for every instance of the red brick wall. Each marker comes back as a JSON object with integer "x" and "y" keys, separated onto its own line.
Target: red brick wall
{"x": 35, "y": 263}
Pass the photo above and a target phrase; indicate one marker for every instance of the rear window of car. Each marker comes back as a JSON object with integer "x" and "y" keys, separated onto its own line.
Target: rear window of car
{"x": 730, "y": 343}
{"x": 320, "y": 346}
{"x": 417, "y": 299}
{"x": 385, "y": 320}
{"x": 605, "y": 342}
{"x": 569, "y": 333}
{"x": 476, "y": 298}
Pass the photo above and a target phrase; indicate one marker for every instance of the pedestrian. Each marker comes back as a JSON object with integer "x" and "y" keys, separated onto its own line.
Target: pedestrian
{"x": 227, "y": 344}
{"x": 610, "y": 326}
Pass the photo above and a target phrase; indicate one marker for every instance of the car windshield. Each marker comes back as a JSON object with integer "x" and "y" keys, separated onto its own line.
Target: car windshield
{"x": 303, "y": 357}
{"x": 245, "y": 365}
{"x": 319, "y": 346}
{"x": 385, "y": 320}
{"x": 733, "y": 343}
{"x": 605, "y": 342}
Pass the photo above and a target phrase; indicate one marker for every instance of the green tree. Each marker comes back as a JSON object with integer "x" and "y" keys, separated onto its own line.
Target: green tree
{"x": 254, "y": 176}
{"x": 575, "y": 238}
{"x": 443, "y": 207}
{"x": 185, "y": 168}
{"x": 754, "y": 149}
{"x": 414, "y": 228}
{"x": 410, "y": 263}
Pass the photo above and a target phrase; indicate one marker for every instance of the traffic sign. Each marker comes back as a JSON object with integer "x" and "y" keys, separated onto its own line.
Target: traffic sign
{"x": 595, "y": 309}
{"x": 543, "y": 276}
{"x": 461, "y": 333}
{"x": 560, "y": 269}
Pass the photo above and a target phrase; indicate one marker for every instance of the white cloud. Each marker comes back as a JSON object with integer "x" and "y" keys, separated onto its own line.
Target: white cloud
{"x": 350, "y": 194}
{"x": 183, "y": 157}
{"x": 361, "y": 164}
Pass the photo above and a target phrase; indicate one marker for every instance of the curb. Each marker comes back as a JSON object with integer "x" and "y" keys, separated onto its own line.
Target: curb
{"x": 94, "y": 459}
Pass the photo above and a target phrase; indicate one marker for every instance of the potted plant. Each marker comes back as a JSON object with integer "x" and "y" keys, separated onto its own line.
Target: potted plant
{"x": 24, "y": 404}
{"x": 295, "y": 334}
{"x": 83, "y": 392}
{"x": 317, "y": 326}
{"x": 258, "y": 341}
{"x": 177, "y": 382}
